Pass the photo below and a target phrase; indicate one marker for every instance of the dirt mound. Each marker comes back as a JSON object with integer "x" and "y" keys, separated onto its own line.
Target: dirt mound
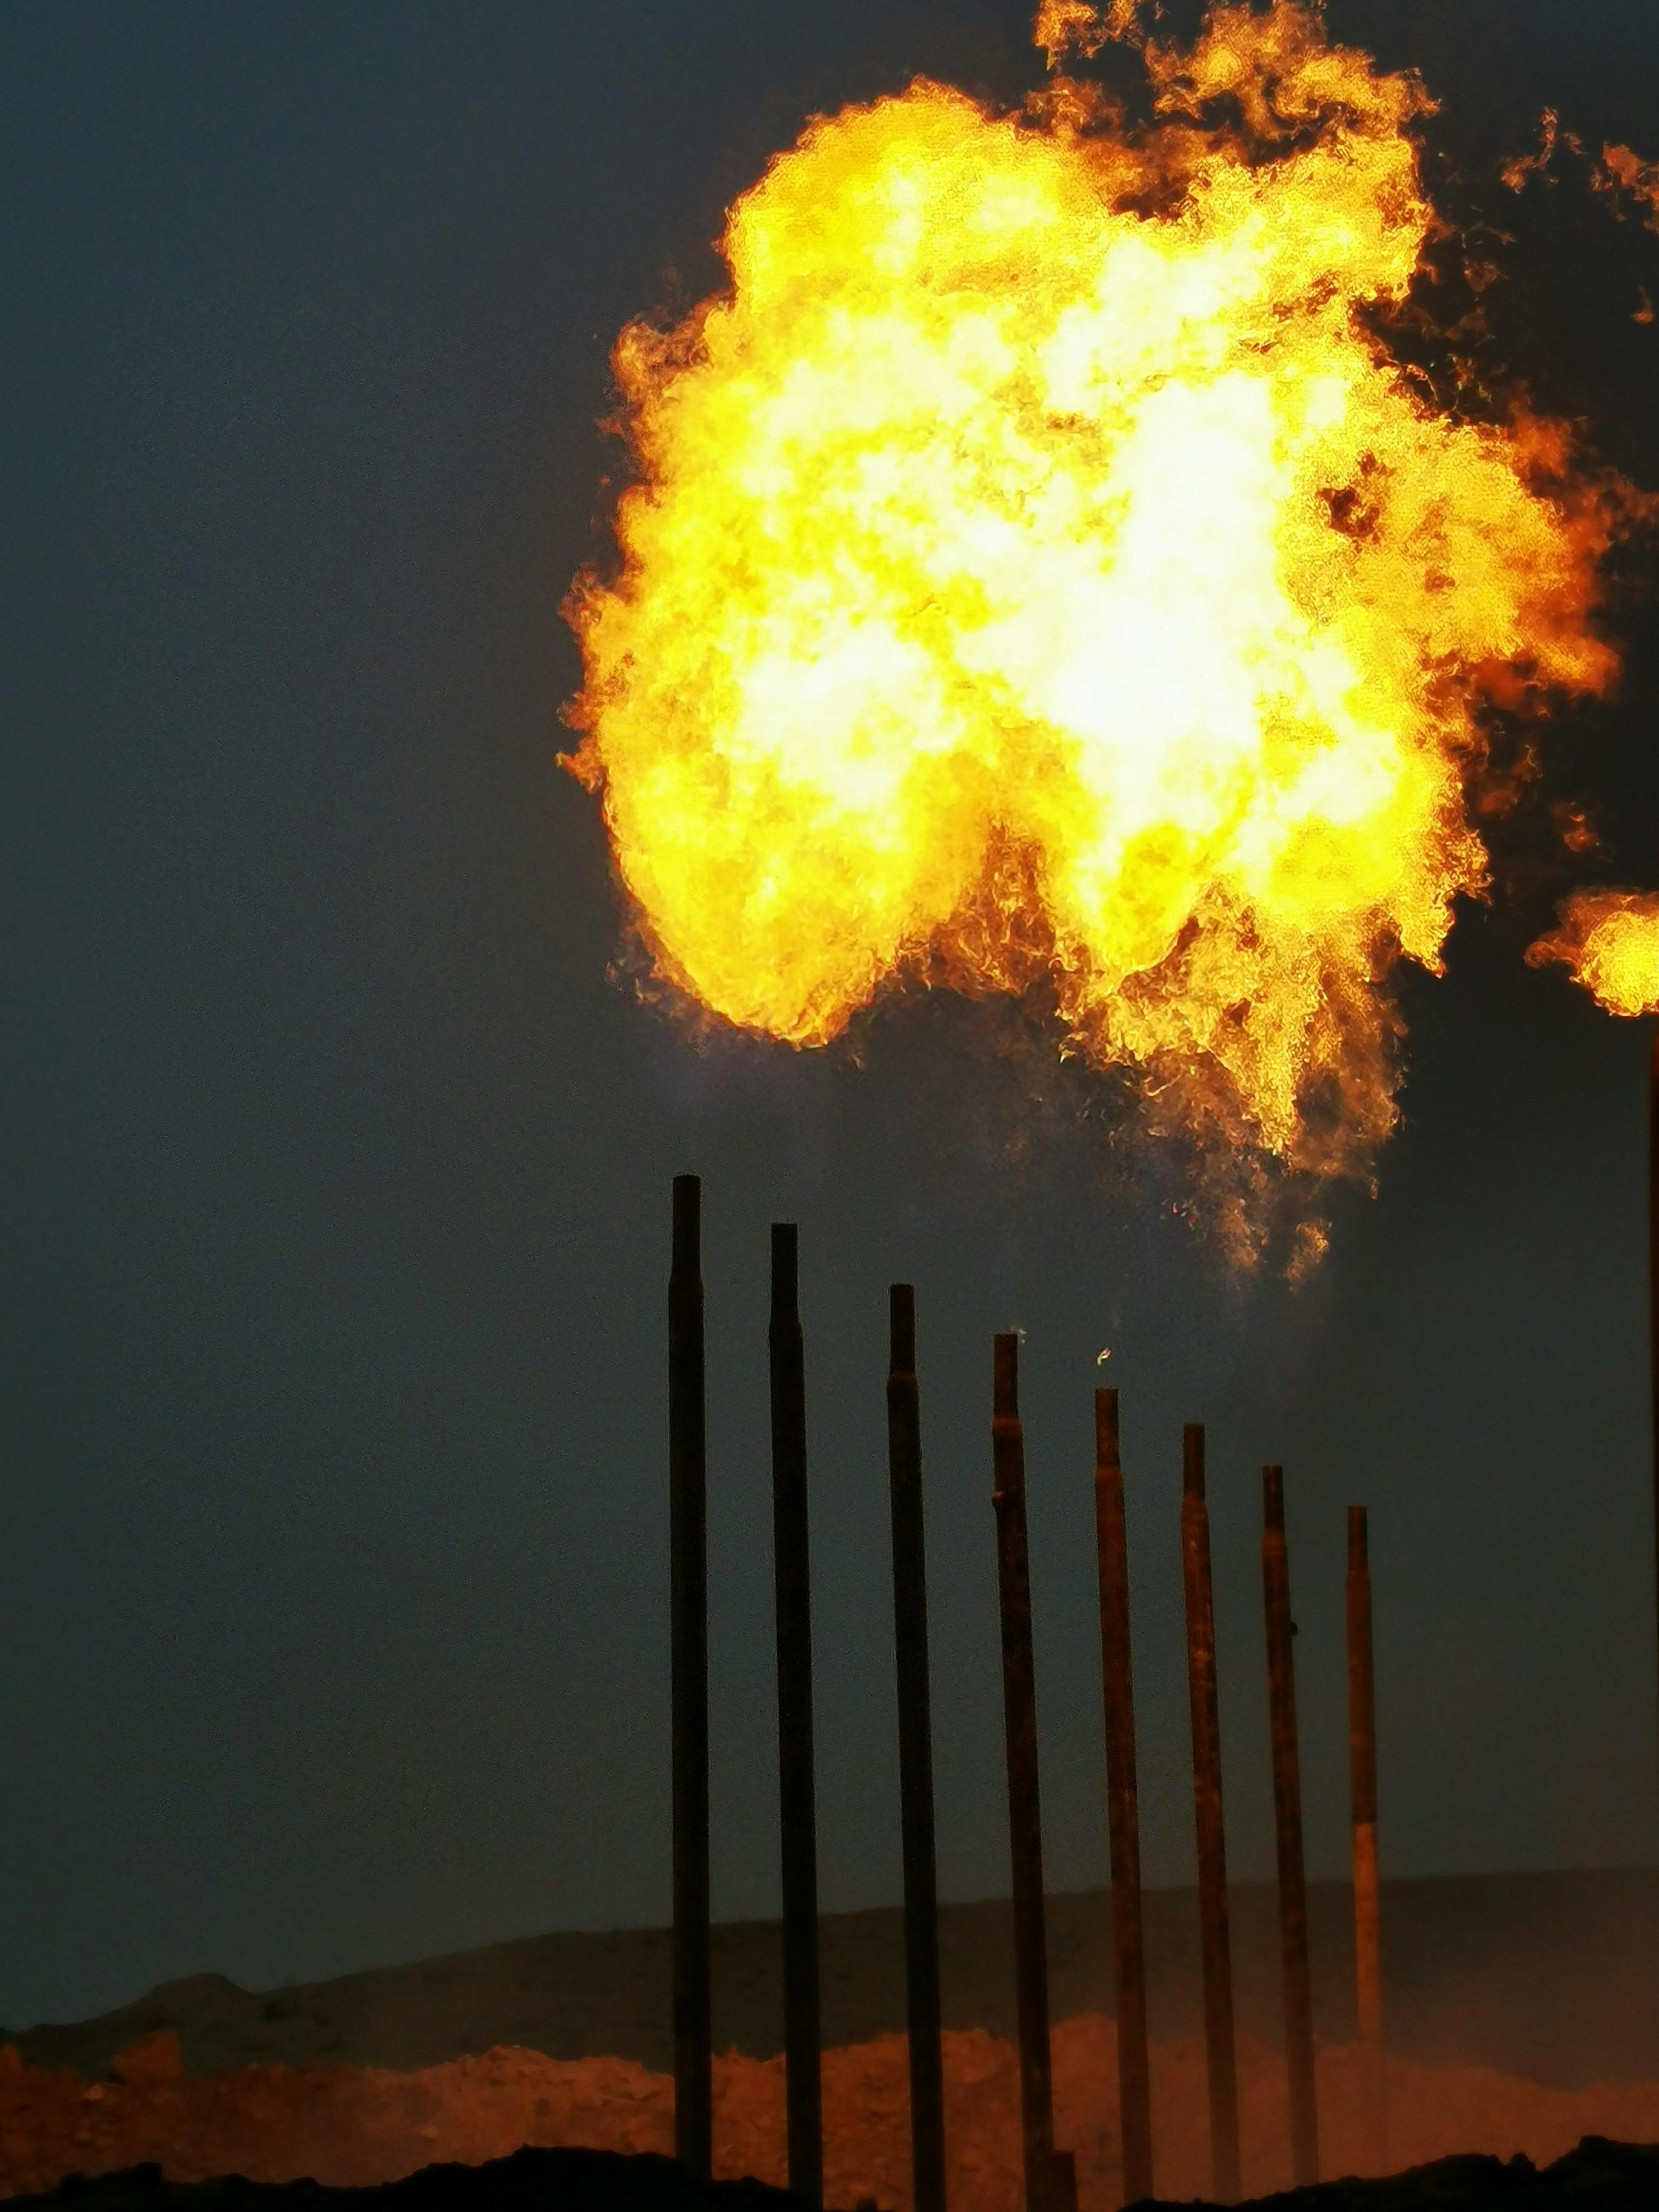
{"x": 346, "y": 2125}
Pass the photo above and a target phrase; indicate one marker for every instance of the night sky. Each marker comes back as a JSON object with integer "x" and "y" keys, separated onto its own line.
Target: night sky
{"x": 336, "y": 1164}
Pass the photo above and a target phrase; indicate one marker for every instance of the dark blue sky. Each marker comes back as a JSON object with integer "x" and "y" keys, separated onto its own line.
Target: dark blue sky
{"x": 335, "y": 1168}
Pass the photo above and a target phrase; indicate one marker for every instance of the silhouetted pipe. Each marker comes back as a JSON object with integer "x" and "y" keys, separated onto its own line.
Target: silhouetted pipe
{"x": 1122, "y": 1806}
{"x": 1653, "y": 1270}
{"x": 1287, "y": 1811}
{"x": 689, "y": 1610}
{"x": 915, "y": 1758}
{"x": 797, "y": 1819}
{"x": 1367, "y": 1929}
{"x": 1063, "y": 2194}
{"x": 1024, "y": 1810}
{"x": 1220, "y": 2052}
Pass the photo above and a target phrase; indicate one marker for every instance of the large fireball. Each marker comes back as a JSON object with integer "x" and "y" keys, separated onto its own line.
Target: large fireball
{"x": 1037, "y": 567}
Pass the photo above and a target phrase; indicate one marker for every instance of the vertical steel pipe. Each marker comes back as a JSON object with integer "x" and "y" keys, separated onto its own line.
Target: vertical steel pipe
{"x": 1367, "y": 1926}
{"x": 1287, "y": 1815}
{"x": 689, "y": 1631}
{"x": 1024, "y": 1805}
{"x": 915, "y": 1734}
{"x": 1122, "y": 1806}
{"x": 1653, "y": 1273}
{"x": 1219, "y": 2051}
{"x": 798, "y": 1817}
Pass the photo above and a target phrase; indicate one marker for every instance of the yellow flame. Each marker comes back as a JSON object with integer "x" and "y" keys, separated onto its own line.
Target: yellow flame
{"x": 1610, "y": 940}
{"x": 1064, "y": 26}
{"x": 1037, "y": 571}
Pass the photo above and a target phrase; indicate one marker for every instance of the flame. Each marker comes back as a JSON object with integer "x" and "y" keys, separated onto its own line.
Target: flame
{"x": 1064, "y": 26}
{"x": 1623, "y": 173}
{"x": 1038, "y": 572}
{"x": 1619, "y": 174}
{"x": 1610, "y": 940}
{"x": 1517, "y": 171}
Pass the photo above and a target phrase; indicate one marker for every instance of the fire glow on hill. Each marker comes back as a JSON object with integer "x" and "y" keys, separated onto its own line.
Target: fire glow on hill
{"x": 1038, "y": 566}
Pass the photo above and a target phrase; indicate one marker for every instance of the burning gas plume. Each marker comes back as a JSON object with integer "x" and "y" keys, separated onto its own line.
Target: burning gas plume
{"x": 1610, "y": 940}
{"x": 1038, "y": 571}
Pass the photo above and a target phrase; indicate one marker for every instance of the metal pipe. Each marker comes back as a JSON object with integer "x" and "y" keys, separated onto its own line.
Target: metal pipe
{"x": 1367, "y": 1926}
{"x": 1653, "y": 1269}
{"x": 1024, "y": 1811}
{"x": 797, "y": 1819}
{"x": 1287, "y": 1811}
{"x": 688, "y": 1636}
{"x": 915, "y": 1734}
{"x": 1122, "y": 1806}
{"x": 1222, "y": 2057}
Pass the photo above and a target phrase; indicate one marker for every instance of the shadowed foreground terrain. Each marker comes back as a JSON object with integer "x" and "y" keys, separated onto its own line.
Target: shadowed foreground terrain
{"x": 529, "y": 2181}
{"x": 1597, "y": 2177}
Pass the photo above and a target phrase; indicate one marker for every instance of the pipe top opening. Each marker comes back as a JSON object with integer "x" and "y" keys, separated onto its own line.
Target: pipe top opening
{"x": 1005, "y": 1405}
{"x": 786, "y": 1271}
{"x": 1192, "y": 1459}
{"x": 1359, "y": 1548}
{"x": 1106, "y": 1443}
{"x": 901, "y": 1329}
{"x": 1272, "y": 1499}
{"x": 687, "y": 1222}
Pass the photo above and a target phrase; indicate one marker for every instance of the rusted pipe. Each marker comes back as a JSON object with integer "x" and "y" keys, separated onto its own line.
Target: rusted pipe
{"x": 1288, "y": 1813}
{"x": 1024, "y": 1808}
{"x": 1653, "y": 1273}
{"x": 1220, "y": 2052}
{"x": 1367, "y": 1925}
{"x": 1122, "y": 1806}
{"x": 688, "y": 1637}
{"x": 798, "y": 1820}
{"x": 922, "y": 2012}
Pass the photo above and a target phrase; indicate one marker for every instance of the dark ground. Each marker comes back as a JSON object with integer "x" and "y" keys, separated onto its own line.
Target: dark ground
{"x": 1550, "y": 1977}
{"x": 1598, "y": 2177}
{"x": 529, "y": 2181}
